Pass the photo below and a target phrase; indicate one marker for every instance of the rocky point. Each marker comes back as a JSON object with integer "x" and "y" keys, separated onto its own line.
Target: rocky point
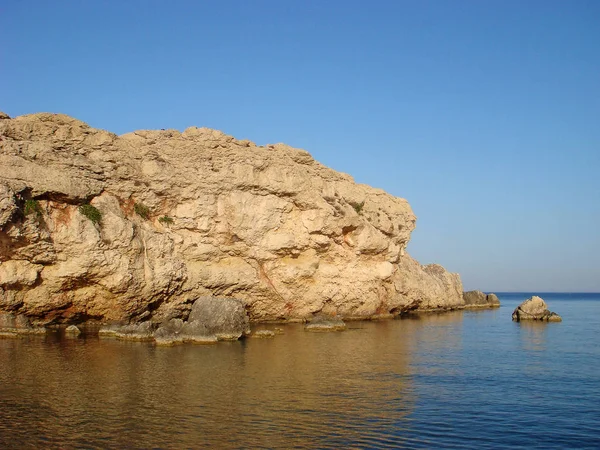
{"x": 96, "y": 227}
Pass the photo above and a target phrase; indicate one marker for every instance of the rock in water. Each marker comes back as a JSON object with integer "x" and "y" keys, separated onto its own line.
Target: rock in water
{"x": 493, "y": 299}
{"x": 72, "y": 331}
{"x": 211, "y": 319}
{"x": 534, "y": 308}
{"x": 325, "y": 323}
{"x": 263, "y": 334}
{"x": 170, "y": 332}
{"x": 15, "y": 324}
{"x": 224, "y": 318}
{"x": 127, "y": 229}
{"x": 142, "y": 331}
{"x": 477, "y": 299}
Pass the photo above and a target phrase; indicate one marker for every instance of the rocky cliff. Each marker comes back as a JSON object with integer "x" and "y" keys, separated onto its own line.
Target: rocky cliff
{"x": 95, "y": 226}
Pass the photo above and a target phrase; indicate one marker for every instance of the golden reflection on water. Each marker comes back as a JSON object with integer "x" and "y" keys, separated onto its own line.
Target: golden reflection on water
{"x": 299, "y": 388}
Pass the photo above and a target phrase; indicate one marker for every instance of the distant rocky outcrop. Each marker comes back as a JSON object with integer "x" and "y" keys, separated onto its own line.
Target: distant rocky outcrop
{"x": 131, "y": 229}
{"x": 478, "y": 299}
{"x": 534, "y": 308}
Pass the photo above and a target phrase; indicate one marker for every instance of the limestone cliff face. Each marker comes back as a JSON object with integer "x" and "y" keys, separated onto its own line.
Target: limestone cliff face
{"x": 192, "y": 214}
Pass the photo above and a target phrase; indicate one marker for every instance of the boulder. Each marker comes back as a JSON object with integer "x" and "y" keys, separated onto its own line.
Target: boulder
{"x": 534, "y": 308}
{"x": 197, "y": 332}
{"x": 222, "y": 317}
{"x": 72, "y": 331}
{"x": 325, "y": 323}
{"x": 177, "y": 331}
{"x": 169, "y": 332}
{"x": 211, "y": 319}
{"x": 493, "y": 300}
{"x": 478, "y": 299}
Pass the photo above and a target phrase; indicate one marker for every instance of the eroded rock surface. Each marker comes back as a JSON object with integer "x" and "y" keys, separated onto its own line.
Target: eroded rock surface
{"x": 193, "y": 214}
{"x": 534, "y": 308}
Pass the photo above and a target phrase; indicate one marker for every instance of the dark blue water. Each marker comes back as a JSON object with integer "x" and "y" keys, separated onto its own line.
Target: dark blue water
{"x": 504, "y": 384}
{"x": 456, "y": 380}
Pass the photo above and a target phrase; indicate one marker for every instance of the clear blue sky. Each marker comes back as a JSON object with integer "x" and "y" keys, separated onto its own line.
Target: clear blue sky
{"x": 485, "y": 115}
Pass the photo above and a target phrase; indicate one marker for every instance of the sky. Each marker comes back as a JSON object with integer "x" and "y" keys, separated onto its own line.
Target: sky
{"x": 484, "y": 115}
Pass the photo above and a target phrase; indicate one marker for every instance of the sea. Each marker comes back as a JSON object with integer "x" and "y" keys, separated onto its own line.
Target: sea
{"x": 457, "y": 380}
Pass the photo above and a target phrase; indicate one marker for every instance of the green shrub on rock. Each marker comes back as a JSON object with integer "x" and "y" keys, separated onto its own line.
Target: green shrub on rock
{"x": 165, "y": 220}
{"x": 33, "y": 207}
{"x": 358, "y": 207}
{"x": 91, "y": 212}
{"x": 142, "y": 210}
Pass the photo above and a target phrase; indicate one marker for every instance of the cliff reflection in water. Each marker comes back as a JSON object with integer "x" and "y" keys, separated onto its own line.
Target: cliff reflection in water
{"x": 473, "y": 380}
{"x": 305, "y": 389}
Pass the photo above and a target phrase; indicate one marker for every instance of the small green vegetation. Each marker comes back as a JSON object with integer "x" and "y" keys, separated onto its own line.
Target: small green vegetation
{"x": 166, "y": 220}
{"x": 142, "y": 210}
{"x": 358, "y": 207}
{"x": 33, "y": 207}
{"x": 91, "y": 212}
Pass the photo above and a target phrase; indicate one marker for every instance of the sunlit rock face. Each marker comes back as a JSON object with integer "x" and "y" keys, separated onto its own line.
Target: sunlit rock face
{"x": 193, "y": 214}
{"x": 534, "y": 308}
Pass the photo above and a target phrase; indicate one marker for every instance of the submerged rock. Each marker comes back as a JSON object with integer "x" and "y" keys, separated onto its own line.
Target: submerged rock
{"x": 143, "y": 331}
{"x": 325, "y": 323}
{"x": 263, "y": 334}
{"x": 534, "y": 308}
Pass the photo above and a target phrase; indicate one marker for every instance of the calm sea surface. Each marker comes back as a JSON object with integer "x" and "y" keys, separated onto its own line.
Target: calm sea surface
{"x": 457, "y": 380}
